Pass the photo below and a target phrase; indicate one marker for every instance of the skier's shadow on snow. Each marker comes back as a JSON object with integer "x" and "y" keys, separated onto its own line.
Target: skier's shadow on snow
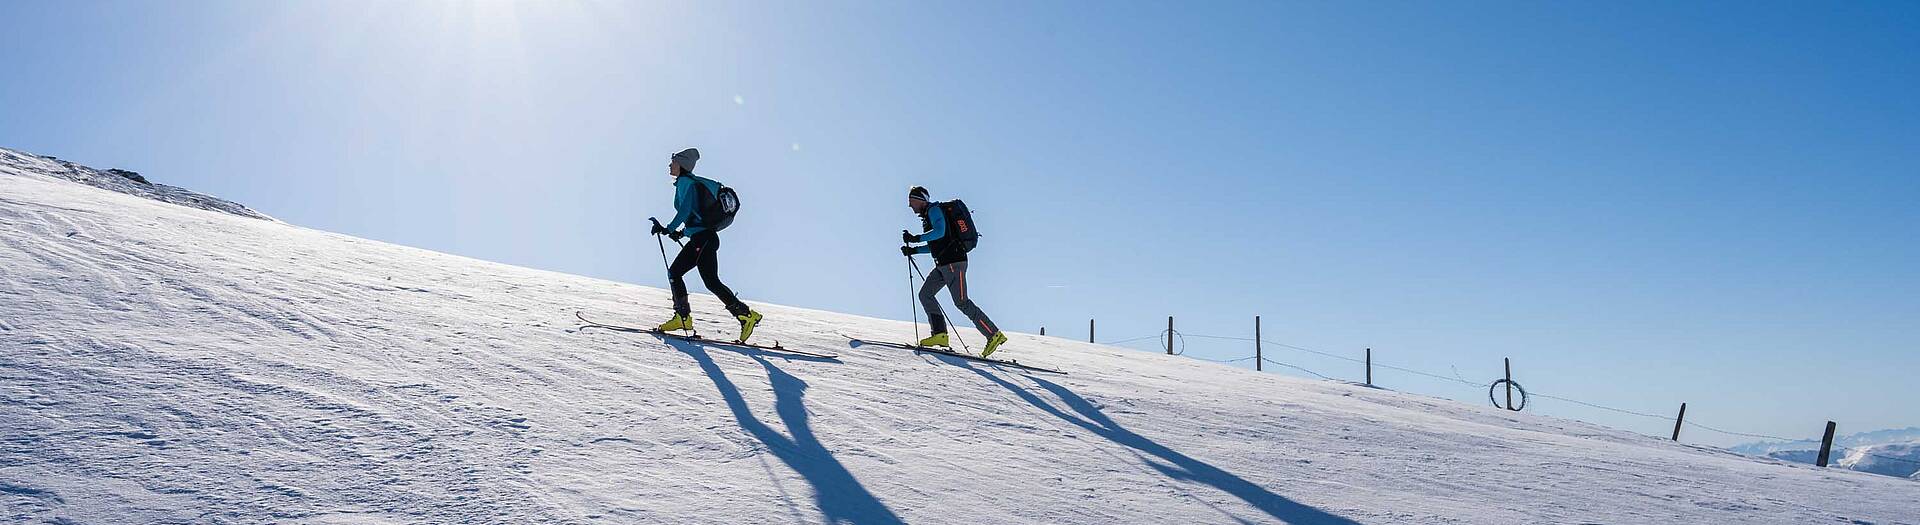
{"x": 1177, "y": 465}
{"x": 841, "y": 497}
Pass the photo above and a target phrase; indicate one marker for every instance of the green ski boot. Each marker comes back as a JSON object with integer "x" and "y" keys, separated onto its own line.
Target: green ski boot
{"x": 747, "y": 323}
{"x": 939, "y": 340}
{"x": 678, "y": 322}
{"x": 994, "y": 344}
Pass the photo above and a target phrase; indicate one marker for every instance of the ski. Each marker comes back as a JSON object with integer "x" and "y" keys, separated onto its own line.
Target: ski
{"x": 942, "y": 351}
{"x": 698, "y": 339}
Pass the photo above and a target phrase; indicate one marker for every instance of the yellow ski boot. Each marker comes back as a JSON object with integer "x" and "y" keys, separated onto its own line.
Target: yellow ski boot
{"x": 678, "y": 322}
{"x": 939, "y": 339}
{"x": 746, "y": 324}
{"x": 994, "y": 344}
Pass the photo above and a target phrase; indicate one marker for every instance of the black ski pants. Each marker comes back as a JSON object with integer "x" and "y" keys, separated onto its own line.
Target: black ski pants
{"x": 699, "y": 253}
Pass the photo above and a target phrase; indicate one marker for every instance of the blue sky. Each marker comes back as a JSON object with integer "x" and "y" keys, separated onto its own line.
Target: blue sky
{"x": 1641, "y": 203}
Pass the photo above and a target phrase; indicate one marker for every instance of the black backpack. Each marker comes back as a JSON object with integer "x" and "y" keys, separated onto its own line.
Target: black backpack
{"x": 960, "y": 226}
{"x": 717, "y": 208}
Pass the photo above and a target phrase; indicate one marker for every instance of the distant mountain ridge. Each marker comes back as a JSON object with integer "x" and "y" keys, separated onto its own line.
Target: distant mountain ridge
{"x": 118, "y": 180}
{"x": 1901, "y": 460}
{"x": 1860, "y": 439}
{"x": 1891, "y": 452}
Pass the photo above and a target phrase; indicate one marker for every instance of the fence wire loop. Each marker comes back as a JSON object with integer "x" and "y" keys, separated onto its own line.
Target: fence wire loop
{"x": 1170, "y": 336}
{"x": 1522, "y": 405}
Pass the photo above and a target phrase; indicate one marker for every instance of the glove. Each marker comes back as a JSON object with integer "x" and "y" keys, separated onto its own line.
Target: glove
{"x": 908, "y": 237}
{"x": 658, "y": 229}
{"x": 676, "y": 235}
{"x": 907, "y": 251}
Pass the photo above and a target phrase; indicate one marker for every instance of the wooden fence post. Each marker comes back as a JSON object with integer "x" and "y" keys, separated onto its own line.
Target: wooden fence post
{"x": 1677, "y": 420}
{"x": 1369, "y": 367}
{"x": 1826, "y": 446}
{"x": 1257, "y": 359}
{"x": 1169, "y": 335}
{"x": 1509, "y": 362}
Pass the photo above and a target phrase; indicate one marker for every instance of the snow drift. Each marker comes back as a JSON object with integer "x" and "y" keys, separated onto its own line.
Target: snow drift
{"x": 167, "y": 364}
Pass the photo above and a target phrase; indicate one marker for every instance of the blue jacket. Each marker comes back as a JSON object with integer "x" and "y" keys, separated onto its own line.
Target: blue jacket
{"x": 937, "y": 229}
{"x": 686, "y": 202}
{"x": 945, "y": 248}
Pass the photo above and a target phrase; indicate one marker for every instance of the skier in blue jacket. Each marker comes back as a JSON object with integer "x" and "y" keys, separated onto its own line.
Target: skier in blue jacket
{"x": 949, "y": 271}
{"x": 699, "y": 252}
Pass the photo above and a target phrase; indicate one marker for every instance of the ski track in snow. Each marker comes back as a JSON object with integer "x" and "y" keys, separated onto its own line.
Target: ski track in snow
{"x": 171, "y": 365}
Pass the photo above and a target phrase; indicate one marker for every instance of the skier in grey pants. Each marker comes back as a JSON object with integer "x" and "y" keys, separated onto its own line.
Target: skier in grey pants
{"x": 946, "y": 224}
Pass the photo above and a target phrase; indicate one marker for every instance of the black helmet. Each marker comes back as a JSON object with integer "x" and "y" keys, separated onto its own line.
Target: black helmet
{"x": 917, "y": 192}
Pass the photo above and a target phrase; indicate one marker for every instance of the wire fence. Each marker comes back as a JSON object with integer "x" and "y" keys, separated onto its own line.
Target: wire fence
{"x": 1178, "y": 346}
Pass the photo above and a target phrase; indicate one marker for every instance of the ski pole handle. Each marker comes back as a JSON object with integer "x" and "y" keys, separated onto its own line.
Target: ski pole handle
{"x": 659, "y": 230}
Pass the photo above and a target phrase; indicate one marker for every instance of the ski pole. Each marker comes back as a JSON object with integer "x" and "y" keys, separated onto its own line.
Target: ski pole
{"x": 662, "y": 245}
{"x": 912, "y": 303}
{"x": 663, "y": 254}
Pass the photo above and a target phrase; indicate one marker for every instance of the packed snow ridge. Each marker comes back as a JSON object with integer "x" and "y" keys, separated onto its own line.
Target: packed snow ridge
{"x": 170, "y": 359}
{"x": 123, "y": 181}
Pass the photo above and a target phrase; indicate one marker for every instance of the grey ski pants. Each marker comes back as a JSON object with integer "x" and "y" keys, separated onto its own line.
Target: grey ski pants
{"x": 954, "y": 278}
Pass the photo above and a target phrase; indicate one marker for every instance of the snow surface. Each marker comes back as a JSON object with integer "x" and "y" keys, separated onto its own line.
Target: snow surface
{"x": 164, "y": 364}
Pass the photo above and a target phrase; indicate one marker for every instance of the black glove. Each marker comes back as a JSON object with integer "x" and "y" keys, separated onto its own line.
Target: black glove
{"x": 907, "y": 251}
{"x": 676, "y": 235}
{"x": 658, "y": 229}
{"x": 908, "y": 237}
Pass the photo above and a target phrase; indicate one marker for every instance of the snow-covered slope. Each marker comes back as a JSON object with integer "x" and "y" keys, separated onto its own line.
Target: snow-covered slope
{"x": 161, "y": 364}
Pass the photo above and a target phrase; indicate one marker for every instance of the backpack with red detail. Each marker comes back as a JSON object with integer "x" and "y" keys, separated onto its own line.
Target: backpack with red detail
{"x": 960, "y": 226}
